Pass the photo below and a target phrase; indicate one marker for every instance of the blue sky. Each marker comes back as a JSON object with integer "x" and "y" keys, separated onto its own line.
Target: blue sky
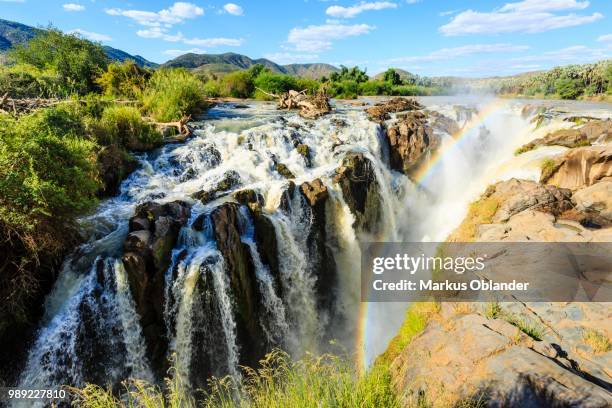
{"x": 428, "y": 37}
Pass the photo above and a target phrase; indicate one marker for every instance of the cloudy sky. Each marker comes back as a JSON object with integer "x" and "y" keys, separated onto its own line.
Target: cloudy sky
{"x": 428, "y": 37}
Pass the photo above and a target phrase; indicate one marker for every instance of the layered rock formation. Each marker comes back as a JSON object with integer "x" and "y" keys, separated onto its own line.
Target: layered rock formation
{"x": 592, "y": 131}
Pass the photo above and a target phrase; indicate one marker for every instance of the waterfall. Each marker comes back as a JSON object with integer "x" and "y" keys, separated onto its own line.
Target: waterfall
{"x": 274, "y": 322}
{"x": 91, "y": 331}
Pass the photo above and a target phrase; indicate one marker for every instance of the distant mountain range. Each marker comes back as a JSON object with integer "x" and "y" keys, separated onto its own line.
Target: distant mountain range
{"x": 12, "y": 33}
{"x": 229, "y": 61}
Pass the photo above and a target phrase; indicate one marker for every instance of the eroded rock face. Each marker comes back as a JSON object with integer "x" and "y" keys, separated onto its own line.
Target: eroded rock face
{"x": 380, "y": 111}
{"x": 580, "y": 167}
{"x": 360, "y": 190}
{"x": 243, "y": 282}
{"x": 595, "y": 199}
{"x": 154, "y": 230}
{"x": 469, "y": 357}
{"x": 410, "y": 138}
{"x": 592, "y": 131}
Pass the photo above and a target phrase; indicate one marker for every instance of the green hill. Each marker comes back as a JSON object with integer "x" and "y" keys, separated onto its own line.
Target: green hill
{"x": 12, "y": 33}
{"x": 220, "y": 64}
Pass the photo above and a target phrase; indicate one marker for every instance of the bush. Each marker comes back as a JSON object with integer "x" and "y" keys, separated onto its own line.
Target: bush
{"x": 238, "y": 84}
{"x": 75, "y": 61}
{"x": 275, "y": 83}
{"x": 124, "y": 126}
{"x": 125, "y": 79}
{"x": 172, "y": 94}
{"x": 372, "y": 88}
{"x": 212, "y": 89}
{"x": 344, "y": 90}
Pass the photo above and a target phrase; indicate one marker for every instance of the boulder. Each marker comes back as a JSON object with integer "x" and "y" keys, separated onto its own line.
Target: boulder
{"x": 380, "y": 111}
{"x": 154, "y": 231}
{"x": 468, "y": 357}
{"x": 360, "y": 189}
{"x": 304, "y": 151}
{"x": 409, "y": 138}
{"x": 580, "y": 167}
{"x": 596, "y": 198}
{"x": 443, "y": 123}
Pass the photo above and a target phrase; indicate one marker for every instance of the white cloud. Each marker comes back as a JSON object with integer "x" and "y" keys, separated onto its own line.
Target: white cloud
{"x": 447, "y": 13}
{"x": 73, "y": 7}
{"x": 457, "y": 52}
{"x": 176, "y": 53}
{"x": 528, "y": 16}
{"x": 605, "y": 38}
{"x": 214, "y": 42}
{"x": 316, "y": 38}
{"x": 350, "y": 12}
{"x": 233, "y": 9}
{"x": 177, "y": 13}
{"x": 90, "y": 35}
{"x": 291, "y": 58}
{"x": 160, "y": 33}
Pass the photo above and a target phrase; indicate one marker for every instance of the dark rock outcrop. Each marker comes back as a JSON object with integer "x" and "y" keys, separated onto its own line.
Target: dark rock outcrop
{"x": 360, "y": 190}
{"x": 380, "y": 111}
{"x": 243, "y": 283}
{"x": 154, "y": 231}
{"x": 410, "y": 138}
{"x": 320, "y": 255}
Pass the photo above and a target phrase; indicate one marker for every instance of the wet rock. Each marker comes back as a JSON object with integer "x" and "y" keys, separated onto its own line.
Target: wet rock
{"x": 593, "y": 131}
{"x": 304, "y": 151}
{"x": 315, "y": 192}
{"x": 114, "y": 165}
{"x": 147, "y": 256}
{"x": 250, "y": 198}
{"x": 265, "y": 238}
{"x": 443, "y": 123}
{"x": 380, "y": 111}
{"x": 284, "y": 171}
{"x": 337, "y": 122}
{"x": 580, "y": 167}
{"x": 320, "y": 255}
{"x": 469, "y": 357}
{"x": 409, "y": 138}
{"x": 360, "y": 189}
{"x": 230, "y": 180}
{"x": 241, "y": 272}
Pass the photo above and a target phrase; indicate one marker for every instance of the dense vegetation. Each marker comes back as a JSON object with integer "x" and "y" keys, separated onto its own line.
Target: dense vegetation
{"x": 56, "y": 162}
{"x": 568, "y": 82}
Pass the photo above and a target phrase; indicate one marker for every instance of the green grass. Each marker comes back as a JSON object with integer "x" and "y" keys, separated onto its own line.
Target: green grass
{"x": 123, "y": 125}
{"x": 415, "y": 321}
{"x": 313, "y": 381}
{"x": 172, "y": 94}
{"x": 479, "y": 212}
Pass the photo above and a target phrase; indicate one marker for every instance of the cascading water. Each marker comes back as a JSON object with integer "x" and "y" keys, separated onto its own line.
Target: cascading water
{"x": 91, "y": 331}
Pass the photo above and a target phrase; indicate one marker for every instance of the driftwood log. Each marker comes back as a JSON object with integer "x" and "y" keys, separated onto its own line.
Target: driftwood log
{"x": 173, "y": 132}
{"x": 22, "y": 106}
{"x": 310, "y": 106}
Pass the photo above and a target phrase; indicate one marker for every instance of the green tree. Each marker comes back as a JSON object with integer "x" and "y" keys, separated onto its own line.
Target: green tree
{"x": 123, "y": 79}
{"x": 568, "y": 88}
{"x": 391, "y": 76}
{"x": 75, "y": 61}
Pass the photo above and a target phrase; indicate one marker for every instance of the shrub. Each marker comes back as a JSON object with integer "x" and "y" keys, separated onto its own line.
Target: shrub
{"x": 125, "y": 79}
{"x": 172, "y": 94}
{"x": 238, "y": 84}
{"x": 310, "y": 85}
{"x": 76, "y": 61}
{"x": 599, "y": 342}
{"x": 212, "y": 89}
{"x": 274, "y": 83}
{"x": 348, "y": 89}
{"x": 124, "y": 126}
{"x": 372, "y": 88}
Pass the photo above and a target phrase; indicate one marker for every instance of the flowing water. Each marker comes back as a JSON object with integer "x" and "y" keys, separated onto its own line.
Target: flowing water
{"x": 91, "y": 331}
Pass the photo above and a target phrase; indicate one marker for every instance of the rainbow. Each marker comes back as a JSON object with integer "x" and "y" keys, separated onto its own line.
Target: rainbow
{"x": 420, "y": 177}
